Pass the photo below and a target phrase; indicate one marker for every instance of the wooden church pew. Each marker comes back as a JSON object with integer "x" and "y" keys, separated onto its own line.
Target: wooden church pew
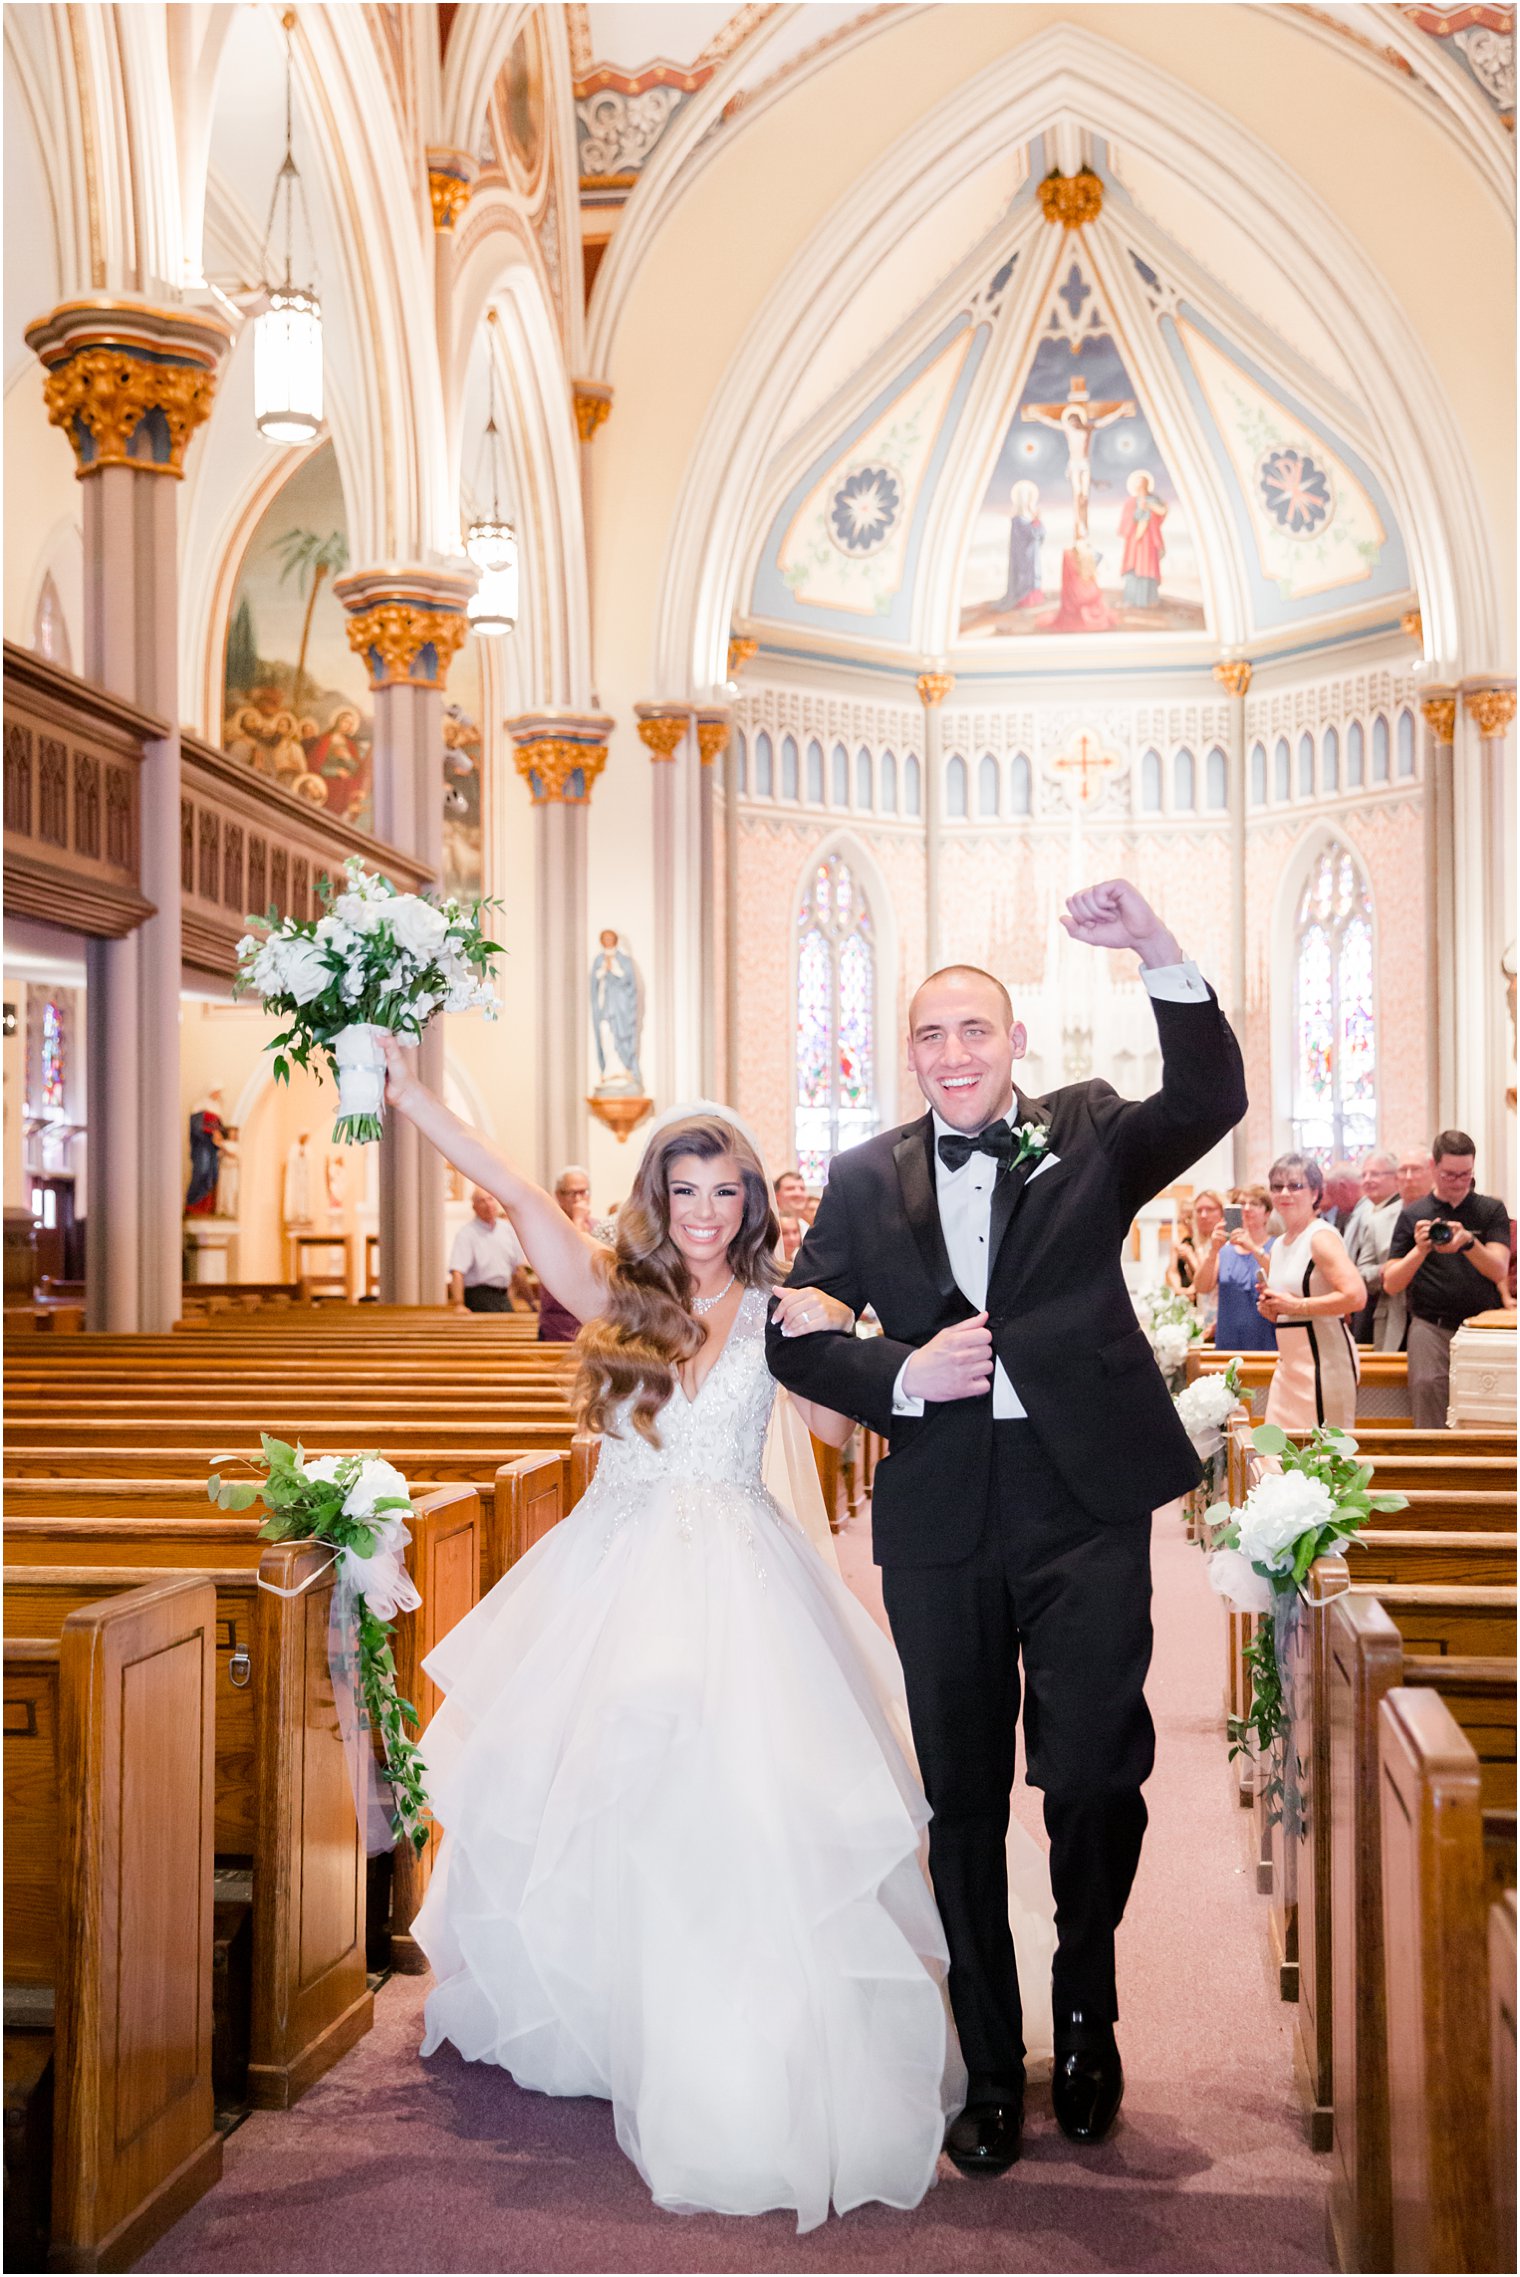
{"x": 1501, "y": 2012}
{"x": 1448, "y": 1850}
{"x": 109, "y": 1799}
{"x": 1463, "y": 1643}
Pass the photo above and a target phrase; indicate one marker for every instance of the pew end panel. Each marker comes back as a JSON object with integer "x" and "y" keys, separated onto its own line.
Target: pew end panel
{"x": 1501, "y": 2010}
{"x": 528, "y": 1501}
{"x": 444, "y": 1560}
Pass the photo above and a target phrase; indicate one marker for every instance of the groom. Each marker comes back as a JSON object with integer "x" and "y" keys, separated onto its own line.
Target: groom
{"x": 1031, "y": 1437}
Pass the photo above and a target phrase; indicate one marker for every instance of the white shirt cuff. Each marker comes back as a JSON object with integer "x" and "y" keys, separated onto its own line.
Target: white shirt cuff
{"x": 903, "y": 1403}
{"x": 1176, "y": 984}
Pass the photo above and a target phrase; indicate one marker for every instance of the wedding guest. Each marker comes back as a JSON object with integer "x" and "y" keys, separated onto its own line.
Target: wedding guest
{"x": 486, "y": 1259}
{"x": 793, "y": 1233}
{"x": 1341, "y": 1196}
{"x": 1205, "y": 1219}
{"x": 1384, "y": 1318}
{"x": 572, "y": 1190}
{"x": 793, "y": 1199}
{"x": 1312, "y": 1290}
{"x": 1450, "y": 1250}
{"x": 1234, "y": 1267}
{"x": 1417, "y": 1171}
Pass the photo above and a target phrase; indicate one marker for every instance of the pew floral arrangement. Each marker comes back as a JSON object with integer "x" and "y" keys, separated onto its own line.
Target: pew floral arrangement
{"x": 1203, "y": 1409}
{"x": 1318, "y": 1497}
{"x": 375, "y": 959}
{"x": 1173, "y": 1328}
{"x": 358, "y": 1506}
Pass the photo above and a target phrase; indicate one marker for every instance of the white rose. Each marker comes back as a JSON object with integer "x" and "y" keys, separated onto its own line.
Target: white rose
{"x": 377, "y": 1482}
{"x": 1171, "y": 1345}
{"x": 1236, "y": 1579}
{"x": 357, "y": 912}
{"x": 417, "y": 926}
{"x": 1280, "y": 1508}
{"x": 307, "y": 972}
{"x": 382, "y": 1581}
{"x": 323, "y": 1468}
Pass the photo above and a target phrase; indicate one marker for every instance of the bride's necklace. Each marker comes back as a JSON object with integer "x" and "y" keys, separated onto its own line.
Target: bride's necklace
{"x": 700, "y": 1305}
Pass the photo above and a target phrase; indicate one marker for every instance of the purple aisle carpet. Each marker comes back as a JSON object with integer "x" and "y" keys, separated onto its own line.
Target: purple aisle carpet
{"x": 390, "y": 2164}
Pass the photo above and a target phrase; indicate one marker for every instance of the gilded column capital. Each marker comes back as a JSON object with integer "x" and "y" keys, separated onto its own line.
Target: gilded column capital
{"x": 451, "y": 178}
{"x": 662, "y": 728}
{"x": 713, "y": 731}
{"x": 559, "y": 755}
{"x": 1439, "y": 709}
{"x": 933, "y": 688}
{"x": 128, "y": 382}
{"x": 1234, "y": 675}
{"x": 741, "y": 651}
{"x": 593, "y": 405}
{"x": 407, "y": 625}
{"x": 1412, "y": 625}
{"x": 1492, "y": 709}
{"x": 1070, "y": 200}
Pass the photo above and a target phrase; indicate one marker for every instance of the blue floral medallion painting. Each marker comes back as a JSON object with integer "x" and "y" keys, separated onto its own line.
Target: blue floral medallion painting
{"x": 864, "y": 509}
{"x": 1295, "y": 491}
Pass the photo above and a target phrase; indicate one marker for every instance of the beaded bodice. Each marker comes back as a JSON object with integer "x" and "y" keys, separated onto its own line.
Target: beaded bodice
{"x": 718, "y": 1435}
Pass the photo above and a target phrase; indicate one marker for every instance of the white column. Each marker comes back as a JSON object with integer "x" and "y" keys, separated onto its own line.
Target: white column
{"x": 713, "y": 739}
{"x": 1485, "y": 918}
{"x": 1439, "y": 707}
{"x": 1234, "y": 676}
{"x": 666, "y": 732}
{"x": 933, "y": 688}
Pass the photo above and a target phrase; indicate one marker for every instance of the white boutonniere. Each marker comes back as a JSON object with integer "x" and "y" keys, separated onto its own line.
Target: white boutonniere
{"x": 1034, "y": 1144}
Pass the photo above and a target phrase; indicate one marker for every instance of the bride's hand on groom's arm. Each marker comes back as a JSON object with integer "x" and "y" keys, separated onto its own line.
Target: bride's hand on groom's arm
{"x": 809, "y": 1312}
{"x": 956, "y": 1364}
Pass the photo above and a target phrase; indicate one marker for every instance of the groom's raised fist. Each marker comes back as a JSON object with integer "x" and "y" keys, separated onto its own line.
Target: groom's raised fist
{"x": 1115, "y": 916}
{"x": 956, "y": 1364}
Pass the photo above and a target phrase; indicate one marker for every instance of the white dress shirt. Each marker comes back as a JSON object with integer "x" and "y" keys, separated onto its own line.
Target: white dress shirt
{"x": 487, "y": 1255}
{"x": 964, "y": 1197}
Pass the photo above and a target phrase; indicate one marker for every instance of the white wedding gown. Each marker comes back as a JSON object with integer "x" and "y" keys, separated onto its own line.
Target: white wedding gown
{"x": 682, "y": 1858}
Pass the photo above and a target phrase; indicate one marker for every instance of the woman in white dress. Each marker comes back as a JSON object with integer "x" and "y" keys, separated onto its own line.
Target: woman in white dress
{"x": 682, "y": 1865}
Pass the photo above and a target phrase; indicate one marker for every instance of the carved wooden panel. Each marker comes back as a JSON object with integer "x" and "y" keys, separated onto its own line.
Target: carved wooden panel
{"x": 300, "y": 888}
{"x": 121, "y": 820}
{"x": 232, "y": 866}
{"x": 72, "y": 750}
{"x": 87, "y": 805}
{"x": 279, "y": 880}
{"x": 18, "y": 778}
{"x": 52, "y": 790}
{"x": 186, "y": 847}
{"x": 258, "y": 877}
{"x": 208, "y": 884}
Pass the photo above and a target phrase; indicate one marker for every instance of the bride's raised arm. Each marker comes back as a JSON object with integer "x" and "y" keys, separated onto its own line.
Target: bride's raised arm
{"x": 565, "y": 1259}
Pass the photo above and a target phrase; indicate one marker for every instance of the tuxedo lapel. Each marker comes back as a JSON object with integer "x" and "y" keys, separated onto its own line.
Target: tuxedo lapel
{"x": 915, "y": 1177}
{"x": 1008, "y": 1193}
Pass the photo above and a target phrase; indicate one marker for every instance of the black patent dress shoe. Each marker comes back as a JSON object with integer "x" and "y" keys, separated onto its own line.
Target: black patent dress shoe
{"x": 987, "y": 2138}
{"x": 1087, "y": 2081}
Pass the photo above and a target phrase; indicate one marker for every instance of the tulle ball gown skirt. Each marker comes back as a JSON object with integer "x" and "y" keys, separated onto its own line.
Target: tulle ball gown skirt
{"x": 681, "y": 1863}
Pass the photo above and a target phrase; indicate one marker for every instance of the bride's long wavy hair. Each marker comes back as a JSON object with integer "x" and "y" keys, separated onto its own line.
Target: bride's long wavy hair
{"x": 646, "y": 1329}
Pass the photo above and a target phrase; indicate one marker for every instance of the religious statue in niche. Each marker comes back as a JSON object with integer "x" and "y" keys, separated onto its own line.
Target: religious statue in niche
{"x": 229, "y": 1175}
{"x": 206, "y": 1130}
{"x": 617, "y": 1019}
{"x": 296, "y": 1208}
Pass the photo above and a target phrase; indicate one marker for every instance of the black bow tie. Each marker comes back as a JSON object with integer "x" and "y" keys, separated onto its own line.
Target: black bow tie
{"x": 956, "y": 1149}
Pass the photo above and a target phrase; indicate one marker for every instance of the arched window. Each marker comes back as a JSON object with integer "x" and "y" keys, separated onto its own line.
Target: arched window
{"x": 1184, "y": 782}
{"x": 1282, "y": 770}
{"x": 913, "y": 784}
{"x": 889, "y": 782}
{"x": 863, "y": 792}
{"x": 815, "y": 774}
{"x": 1258, "y": 774}
{"x": 1306, "y": 766}
{"x": 788, "y": 767}
{"x": 1330, "y": 761}
{"x": 839, "y": 772}
{"x": 741, "y": 762}
{"x": 1150, "y": 783}
{"x": 1380, "y": 749}
{"x": 955, "y": 786}
{"x": 836, "y": 1016}
{"x": 765, "y": 769}
{"x": 1406, "y": 743}
{"x": 987, "y": 785}
{"x": 1020, "y": 785}
{"x": 1356, "y": 756}
{"x": 1216, "y": 781}
{"x": 1334, "y": 1045}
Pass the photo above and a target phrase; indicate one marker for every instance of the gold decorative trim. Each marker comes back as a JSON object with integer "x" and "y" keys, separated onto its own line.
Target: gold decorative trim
{"x": 740, "y": 653}
{"x": 933, "y": 688}
{"x": 1441, "y": 717}
{"x": 1234, "y": 675}
{"x": 593, "y": 405}
{"x": 712, "y": 739}
{"x": 546, "y": 764}
{"x": 1072, "y": 200}
{"x": 450, "y": 194}
{"x": 392, "y": 635}
{"x": 105, "y": 394}
{"x": 620, "y": 1115}
{"x": 663, "y": 736}
{"x": 1412, "y": 625}
{"x": 1492, "y": 708}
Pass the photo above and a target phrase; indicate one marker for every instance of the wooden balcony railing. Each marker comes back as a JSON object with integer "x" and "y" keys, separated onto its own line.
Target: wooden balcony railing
{"x": 73, "y": 761}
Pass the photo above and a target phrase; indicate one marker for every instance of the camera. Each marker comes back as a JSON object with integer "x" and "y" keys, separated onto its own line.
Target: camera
{"x": 1442, "y": 1235}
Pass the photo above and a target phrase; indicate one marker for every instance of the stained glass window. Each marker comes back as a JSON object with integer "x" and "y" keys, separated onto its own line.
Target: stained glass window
{"x": 836, "y": 1016}
{"x": 54, "y": 1069}
{"x": 1334, "y": 1030}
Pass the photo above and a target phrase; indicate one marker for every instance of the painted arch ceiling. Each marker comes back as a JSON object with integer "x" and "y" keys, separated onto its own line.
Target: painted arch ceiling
{"x": 1138, "y": 432}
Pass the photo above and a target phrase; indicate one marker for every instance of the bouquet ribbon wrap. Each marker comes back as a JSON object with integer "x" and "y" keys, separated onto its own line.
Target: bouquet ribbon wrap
{"x": 371, "y": 1792}
{"x": 361, "y": 1084}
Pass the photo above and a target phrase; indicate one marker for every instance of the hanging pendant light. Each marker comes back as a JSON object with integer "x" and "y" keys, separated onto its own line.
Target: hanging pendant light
{"x": 287, "y": 337}
{"x": 490, "y": 541}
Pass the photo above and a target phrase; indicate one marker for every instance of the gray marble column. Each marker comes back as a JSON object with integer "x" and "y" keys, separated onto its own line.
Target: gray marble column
{"x": 128, "y": 383}
{"x": 933, "y": 688}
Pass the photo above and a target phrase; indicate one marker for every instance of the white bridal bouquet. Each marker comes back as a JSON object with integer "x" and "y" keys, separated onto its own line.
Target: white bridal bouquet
{"x": 375, "y": 959}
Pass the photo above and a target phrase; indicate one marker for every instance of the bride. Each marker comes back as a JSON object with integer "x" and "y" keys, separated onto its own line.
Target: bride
{"x": 683, "y": 1855}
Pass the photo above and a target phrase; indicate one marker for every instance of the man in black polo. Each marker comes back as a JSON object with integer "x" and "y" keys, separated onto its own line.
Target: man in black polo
{"x": 1450, "y": 1251}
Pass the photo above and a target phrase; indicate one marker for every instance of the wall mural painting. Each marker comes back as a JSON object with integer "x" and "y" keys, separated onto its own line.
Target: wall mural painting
{"x": 295, "y": 701}
{"x": 1081, "y": 529}
{"x": 463, "y": 772}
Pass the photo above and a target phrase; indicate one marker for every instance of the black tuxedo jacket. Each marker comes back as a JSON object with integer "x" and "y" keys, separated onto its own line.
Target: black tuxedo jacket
{"x": 1062, "y": 1321}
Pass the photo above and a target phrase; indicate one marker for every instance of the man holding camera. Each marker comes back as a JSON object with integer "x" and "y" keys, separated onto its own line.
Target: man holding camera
{"x": 1450, "y": 1251}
